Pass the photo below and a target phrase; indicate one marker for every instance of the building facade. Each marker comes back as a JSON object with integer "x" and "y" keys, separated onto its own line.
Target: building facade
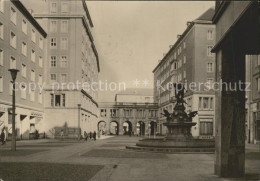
{"x": 253, "y": 99}
{"x": 132, "y": 112}
{"x": 72, "y": 61}
{"x": 190, "y": 62}
{"x": 22, "y": 45}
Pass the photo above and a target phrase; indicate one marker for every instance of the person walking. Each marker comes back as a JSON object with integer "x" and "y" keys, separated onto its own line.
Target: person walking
{"x": 61, "y": 134}
{"x": 86, "y": 136}
{"x": 3, "y": 137}
{"x": 90, "y": 135}
{"x": 94, "y": 135}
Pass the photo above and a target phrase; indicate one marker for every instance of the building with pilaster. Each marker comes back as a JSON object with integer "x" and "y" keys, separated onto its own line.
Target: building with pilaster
{"x": 189, "y": 61}
{"x": 22, "y": 47}
{"x": 71, "y": 60}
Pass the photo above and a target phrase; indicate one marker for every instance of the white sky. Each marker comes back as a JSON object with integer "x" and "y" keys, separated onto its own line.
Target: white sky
{"x": 132, "y": 36}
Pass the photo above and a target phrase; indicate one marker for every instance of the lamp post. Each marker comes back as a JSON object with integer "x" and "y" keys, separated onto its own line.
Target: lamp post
{"x": 79, "y": 108}
{"x": 13, "y": 75}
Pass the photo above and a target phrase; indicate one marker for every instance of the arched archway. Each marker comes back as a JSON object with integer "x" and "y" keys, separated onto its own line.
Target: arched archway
{"x": 102, "y": 127}
{"x": 140, "y": 128}
{"x": 114, "y": 128}
{"x": 153, "y": 127}
{"x": 127, "y": 127}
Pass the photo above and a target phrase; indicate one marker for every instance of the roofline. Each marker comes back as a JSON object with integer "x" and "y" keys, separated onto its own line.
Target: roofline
{"x": 87, "y": 12}
{"x": 182, "y": 37}
{"x": 175, "y": 44}
{"x": 28, "y": 15}
{"x": 96, "y": 54}
{"x": 222, "y": 7}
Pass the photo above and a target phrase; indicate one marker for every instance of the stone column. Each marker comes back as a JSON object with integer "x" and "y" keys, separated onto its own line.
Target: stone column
{"x": 230, "y": 113}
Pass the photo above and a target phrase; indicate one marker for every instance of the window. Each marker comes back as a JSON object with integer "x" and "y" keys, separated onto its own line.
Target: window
{"x": 24, "y": 48}
{"x": 23, "y": 92}
{"x": 53, "y": 26}
{"x": 53, "y": 61}
{"x": 1, "y": 84}
{"x": 40, "y": 97}
{"x": 24, "y": 70}
{"x": 64, "y": 43}
{"x": 64, "y": 26}
{"x": 32, "y": 75}
{"x": 2, "y": 5}
{"x": 210, "y": 83}
{"x": 184, "y": 74}
{"x": 184, "y": 59}
{"x": 210, "y": 35}
{"x": 209, "y": 67}
{"x": 41, "y": 43}
{"x": 1, "y": 30}
{"x": 184, "y": 45}
{"x": 179, "y": 77}
{"x": 179, "y": 63}
{"x": 12, "y": 63}
{"x": 33, "y": 55}
{"x": 32, "y": 95}
{"x": 33, "y": 36}
{"x": 58, "y": 100}
{"x": 40, "y": 79}
{"x": 13, "y": 40}
{"x": 258, "y": 84}
{"x": 24, "y": 26}
{"x": 103, "y": 113}
{"x": 64, "y": 7}
{"x": 53, "y": 42}
{"x": 175, "y": 66}
{"x": 53, "y": 77}
{"x": 258, "y": 60}
{"x": 40, "y": 61}
{"x": 64, "y": 61}
{"x": 63, "y": 78}
{"x": 53, "y": 8}
{"x": 1, "y": 57}
{"x": 206, "y": 103}
{"x": 13, "y": 15}
{"x": 206, "y": 127}
{"x": 209, "y": 48}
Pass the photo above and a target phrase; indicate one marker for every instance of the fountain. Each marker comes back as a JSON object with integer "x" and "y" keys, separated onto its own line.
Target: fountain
{"x": 178, "y": 137}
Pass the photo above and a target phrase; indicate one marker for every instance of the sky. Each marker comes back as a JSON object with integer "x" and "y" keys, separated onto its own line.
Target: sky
{"x": 131, "y": 36}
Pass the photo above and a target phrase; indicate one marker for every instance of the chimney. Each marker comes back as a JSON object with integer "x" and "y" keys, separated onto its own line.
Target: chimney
{"x": 188, "y": 23}
{"x": 178, "y": 36}
{"x": 30, "y": 11}
{"x": 170, "y": 46}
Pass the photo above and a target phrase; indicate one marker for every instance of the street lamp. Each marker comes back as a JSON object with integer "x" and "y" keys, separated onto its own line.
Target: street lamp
{"x": 13, "y": 75}
{"x": 79, "y": 108}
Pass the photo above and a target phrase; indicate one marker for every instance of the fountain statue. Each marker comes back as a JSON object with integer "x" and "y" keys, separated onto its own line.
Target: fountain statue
{"x": 178, "y": 136}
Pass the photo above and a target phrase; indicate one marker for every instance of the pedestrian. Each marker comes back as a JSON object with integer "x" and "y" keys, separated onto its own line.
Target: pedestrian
{"x": 94, "y": 135}
{"x": 61, "y": 134}
{"x": 86, "y": 136}
{"x": 3, "y": 137}
{"x": 90, "y": 135}
{"x": 99, "y": 132}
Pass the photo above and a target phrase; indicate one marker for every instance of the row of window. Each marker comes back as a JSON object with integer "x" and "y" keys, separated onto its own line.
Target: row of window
{"x": 23, "y": 91}
{"x": 54, "y": 7}
{"x": 54, "y": 78}
{"x": 63, "y": 43}
{"x": 54, "y": 61}
{"x": 128, "y": 113}
{"x": 24, "y": 30}
{"x": 64, "y": 26}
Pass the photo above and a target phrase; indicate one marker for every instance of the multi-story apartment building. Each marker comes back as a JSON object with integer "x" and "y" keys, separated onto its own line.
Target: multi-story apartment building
{"x": 22, "y": 45}
{"x": 71, "y": 59}
{"x": 253, "y": 99}
{"x": 191, "y": 62}
{"x": 124, "y": 115}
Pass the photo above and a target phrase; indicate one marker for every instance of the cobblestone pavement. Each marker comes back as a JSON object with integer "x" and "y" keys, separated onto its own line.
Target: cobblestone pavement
{"x": 121, "y": 164}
